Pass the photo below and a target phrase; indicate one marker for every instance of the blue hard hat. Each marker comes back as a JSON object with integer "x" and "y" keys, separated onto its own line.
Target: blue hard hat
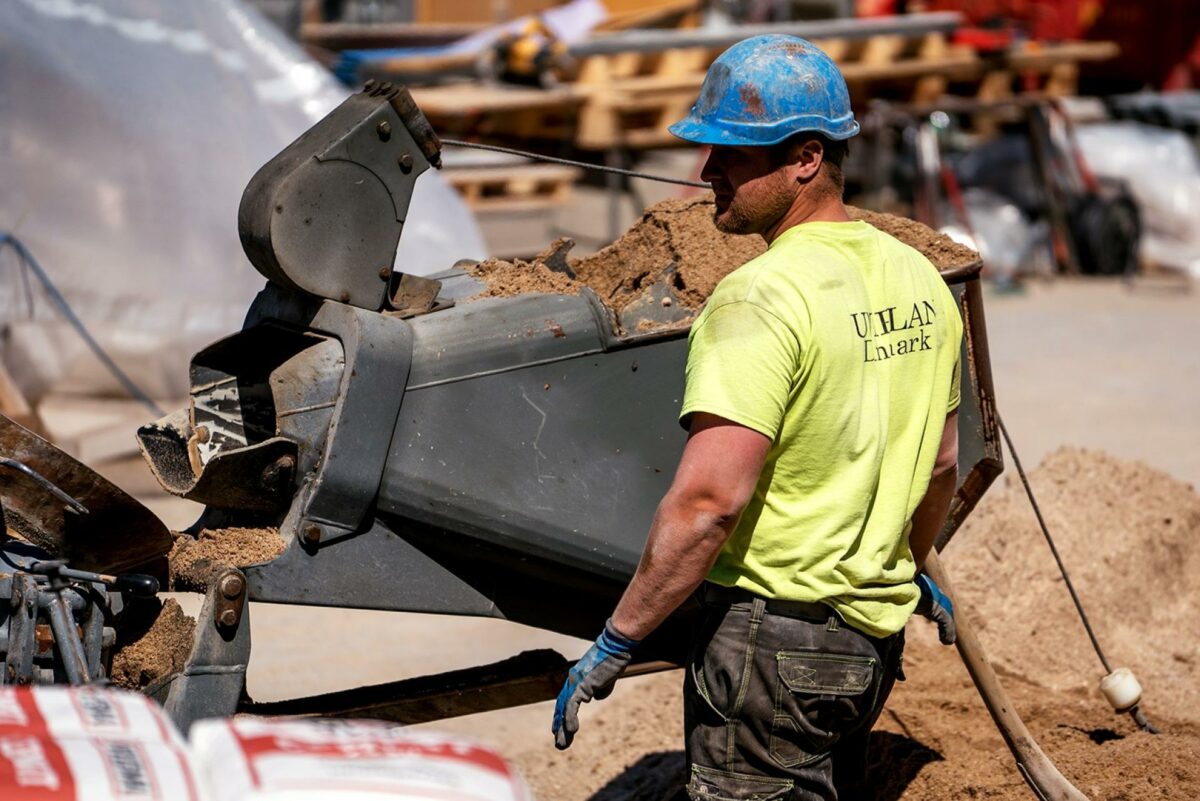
{"x": 766, "y": 88}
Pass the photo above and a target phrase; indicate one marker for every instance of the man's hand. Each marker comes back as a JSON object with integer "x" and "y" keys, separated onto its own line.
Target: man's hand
{"x": 592, "y": 677}
{"x": 938, "y": 607}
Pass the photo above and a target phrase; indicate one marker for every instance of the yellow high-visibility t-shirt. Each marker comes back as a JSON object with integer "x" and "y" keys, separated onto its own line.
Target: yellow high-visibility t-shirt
{"x": 841, "y": 344}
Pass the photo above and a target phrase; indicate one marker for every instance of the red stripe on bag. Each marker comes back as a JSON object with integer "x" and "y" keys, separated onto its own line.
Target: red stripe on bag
{"x": 19, "y": 711}
{"x": 33, "y": 768}
{"x": 254, "y": 747}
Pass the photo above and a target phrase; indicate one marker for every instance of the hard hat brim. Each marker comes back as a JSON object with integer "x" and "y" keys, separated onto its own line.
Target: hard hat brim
{"x": 694, "y": 130}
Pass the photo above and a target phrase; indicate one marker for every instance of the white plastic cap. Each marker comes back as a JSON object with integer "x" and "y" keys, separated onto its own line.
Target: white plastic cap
{"x": 1122, "y": 689}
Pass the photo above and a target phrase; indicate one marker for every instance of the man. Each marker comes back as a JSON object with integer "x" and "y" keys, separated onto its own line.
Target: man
{"x": 820, "y": 401}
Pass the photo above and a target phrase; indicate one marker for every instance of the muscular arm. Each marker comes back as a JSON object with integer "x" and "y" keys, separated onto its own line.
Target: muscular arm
{"x": 715, "y": 480}
{"x": 930, "y": 514}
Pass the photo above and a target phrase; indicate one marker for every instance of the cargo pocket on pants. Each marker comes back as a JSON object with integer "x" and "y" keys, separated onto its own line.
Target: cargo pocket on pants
{"x": 818, "y": 698}
{"x": 709, "y": 784}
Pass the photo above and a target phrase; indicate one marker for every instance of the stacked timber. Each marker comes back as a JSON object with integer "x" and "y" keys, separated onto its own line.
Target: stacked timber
{"x": 622, "y": 90}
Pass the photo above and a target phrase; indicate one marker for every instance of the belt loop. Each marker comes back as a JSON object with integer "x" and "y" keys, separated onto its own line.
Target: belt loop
{"x": 757, "y": 609}
{"x": 832, "y": 623}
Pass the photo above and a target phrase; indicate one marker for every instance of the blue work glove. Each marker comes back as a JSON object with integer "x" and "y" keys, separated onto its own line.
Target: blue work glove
{"x": 938, "y": 607}
{"x": 592, "y": 677}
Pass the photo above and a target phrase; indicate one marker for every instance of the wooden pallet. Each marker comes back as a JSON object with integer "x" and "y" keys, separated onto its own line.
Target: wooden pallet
{"x": 481, "y": 111}
{"x": 627, "y": 100}
{"x": 633, "y": 97}
{"x": 513, "y": 188}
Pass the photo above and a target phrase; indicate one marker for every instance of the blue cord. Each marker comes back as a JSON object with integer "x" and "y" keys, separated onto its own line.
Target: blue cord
{"x": 30, "y": 262}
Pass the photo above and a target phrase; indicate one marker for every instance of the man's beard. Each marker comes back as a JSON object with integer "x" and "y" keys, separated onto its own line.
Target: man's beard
{"x": 755, "y": 213}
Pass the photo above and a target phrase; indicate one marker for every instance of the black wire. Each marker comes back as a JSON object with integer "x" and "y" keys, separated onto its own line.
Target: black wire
{"x": 555, "y": 160}
{"x": 56, "y": 296}
{"x": 1135, "y": 712}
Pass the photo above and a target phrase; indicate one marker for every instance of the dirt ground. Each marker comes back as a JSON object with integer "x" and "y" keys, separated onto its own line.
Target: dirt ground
{"x": 1092, "y": 364}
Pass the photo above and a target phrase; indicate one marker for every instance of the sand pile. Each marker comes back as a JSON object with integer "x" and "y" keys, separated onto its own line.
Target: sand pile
{"x": 676, "y": 243}
{"x": 507, "y": 278}
{"x": 153, "y": 643}
{"x": 1130, "y": 536}
{"x": 195, "y": 560}
{"x": 935, "y": 740}
{"x": 675, "y": 234}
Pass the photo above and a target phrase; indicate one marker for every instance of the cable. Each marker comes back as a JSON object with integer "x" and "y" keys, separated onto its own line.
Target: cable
{"x": 1135, "y": 712}
{"x": 56, "y": 296}
{"x": 525, "y": 154}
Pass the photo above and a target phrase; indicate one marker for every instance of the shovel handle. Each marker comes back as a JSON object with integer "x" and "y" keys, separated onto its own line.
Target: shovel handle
{"x": 1047, "y": 783}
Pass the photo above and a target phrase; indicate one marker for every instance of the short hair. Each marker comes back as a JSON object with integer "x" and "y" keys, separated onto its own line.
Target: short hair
{"x": 834, "y": 152}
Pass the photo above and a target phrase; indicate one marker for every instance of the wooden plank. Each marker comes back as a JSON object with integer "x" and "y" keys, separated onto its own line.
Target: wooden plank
{"x": 1044, "y": 57}
{"x": 882, "y": 49}
{"x": 624, "y": 65}
{"x": 953, "y": 66}
{"x": 14, "y": 404}
{"x": 671, "y": 14}
{"x": 684, "y": 61}
{"x": 995, "y": 85}
{"x": 364, "y": 36}
{"x": 457, "y": 176}
{"x": 430, "y": 67}
{"x": 12, "y": 400}
{"x": 933, "y": 46}
{"x": 473, "y": 99}
{"x": 599, "y": 126}
{"x": 1063, "y": 80}
{"x": 525, "y": 186}
{"x": 477, "y": 11}
{"x": 91, "y": 429}
{"x": 836, "y": 49}
{"x": 929, "y": 88}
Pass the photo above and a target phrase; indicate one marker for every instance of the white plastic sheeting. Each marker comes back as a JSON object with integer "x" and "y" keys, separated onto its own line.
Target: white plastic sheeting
{"x": 128, "y": 130}
{"x": 1162, "y": 170}
{"x": 1008, "y": 241}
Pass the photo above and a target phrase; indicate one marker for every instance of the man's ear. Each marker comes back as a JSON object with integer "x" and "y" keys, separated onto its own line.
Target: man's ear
{"x": 807, "y": 160}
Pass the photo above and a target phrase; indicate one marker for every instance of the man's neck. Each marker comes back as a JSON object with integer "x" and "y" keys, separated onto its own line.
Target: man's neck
{"x": 805, "y": 211}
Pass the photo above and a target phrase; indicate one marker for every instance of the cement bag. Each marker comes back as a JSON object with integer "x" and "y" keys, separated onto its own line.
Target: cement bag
{"x": 47, "y": 768}
{"x": 261, "y": 759}
{"x": 1162, "y": 170}
{"x": 71, "y": 744}
{"x": 88, "y": 712}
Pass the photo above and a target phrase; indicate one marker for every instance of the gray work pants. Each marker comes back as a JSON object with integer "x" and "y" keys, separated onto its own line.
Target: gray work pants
{"x": 779, "y": 700}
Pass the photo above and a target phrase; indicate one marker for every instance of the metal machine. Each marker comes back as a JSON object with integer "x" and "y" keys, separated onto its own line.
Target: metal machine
{"x": 423, "y": 449}
{"x": 57, "y": 623}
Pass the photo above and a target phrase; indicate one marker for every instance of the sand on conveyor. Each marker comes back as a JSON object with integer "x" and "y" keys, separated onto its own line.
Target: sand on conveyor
{"x": 194, "y": 561}
{"x": 154, "y": 640}
{"x": 1130, "y": 536}
{"x": 677, "y": 242}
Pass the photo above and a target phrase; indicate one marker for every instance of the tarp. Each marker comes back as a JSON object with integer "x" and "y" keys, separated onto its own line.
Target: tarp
{"x": 1162, "y": 170}
{"x": 128, "y": 130}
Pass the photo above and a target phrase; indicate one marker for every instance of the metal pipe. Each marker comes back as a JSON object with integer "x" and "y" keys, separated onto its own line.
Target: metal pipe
{"x": 45, "y": 483}
{"x": 650, "y": 41}
{"x": 22, "y": 621}
{"x": 93, "y": 636}
{"x": 70, "y": 649}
